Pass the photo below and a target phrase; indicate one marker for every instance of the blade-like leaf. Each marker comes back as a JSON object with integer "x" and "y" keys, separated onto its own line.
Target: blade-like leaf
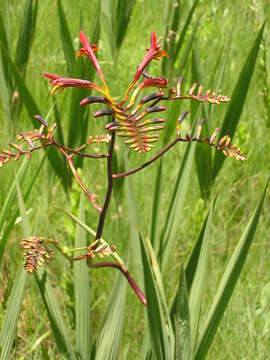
{"x": 108, "y": 11}
{"x": 66, "y": 39}
{"x": 154, "y": 231}
{"x": 108, "y": 343}
{"x": 238, "y": 99}
{"x": 56, "y": 161}
{"x": 82, "y": 294}
{"x": 181, "y": 39}
{"x": 24, "y": 38}
{"x": 58, "y": 326}
{"x": 203, "y": 154}
{"x": 175, "y": 106}
{"x": 192, "y": 263}
{"x": 9, "y": 326}
{"x": 124, "y": 10}
{"x": 156, "y": 322}
{"x": 182, "y": 321}
{"x": 176, "y": 205}
{"x": 228, "y": 283}
{"x": 6, "y": 230}
{"x": 198, "y": 285}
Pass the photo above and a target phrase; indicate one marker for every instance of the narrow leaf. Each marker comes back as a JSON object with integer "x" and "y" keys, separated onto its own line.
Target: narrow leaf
{"x": 182, "y": 321}
{"x": 236, "y": 105}
{"x": 66, "y": 39}
{"x": 56, "y": 161}
{"x": 24, "y": 38}
{"x": 108, "y": 343}
{"x": 154, "y": 230}
{"x": 58, "y": 326}
{"x": 198, "y": 285}
{"x": 228, "y": 282}
{"x": 157, "y": 326}
{"x": 82, "y": 293}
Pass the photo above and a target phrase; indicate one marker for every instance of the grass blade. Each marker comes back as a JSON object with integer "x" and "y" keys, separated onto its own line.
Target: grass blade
{"x": 24, "y": 38}
{"x": 228, "y": 283}
{"x": 154, "y": 230}
{"x": 9, "y": 326}
{"x": 66, "y": 39}
{"x": 56, "y": 161}
{"x": 58, "y": 326}
{"x": 82, "y": 294}
{"x": 181, "y": 39}
{"x": 156, "y": 322}
{"x": 176, "y": 206}
{"x": 198, "y": 285}
{"x": 109, "y": 17}
{"x": 124, "y": 11}
{"x": 107, "y": 346}
{"x": 238, "y": 99}
{"x": 182, "y": 321}
{"x": 6, "y": 230}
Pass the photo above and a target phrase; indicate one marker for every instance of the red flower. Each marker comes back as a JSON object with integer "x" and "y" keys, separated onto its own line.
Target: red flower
{"x": 88, "y": 50}
{"x": 155, "y": 82}
{"x": 59, "y": 82}
{"x": 154, "y": 53}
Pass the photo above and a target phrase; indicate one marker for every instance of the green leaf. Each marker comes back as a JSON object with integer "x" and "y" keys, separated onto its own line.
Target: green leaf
{"x": 181, "y": 39}
{"x": 124, "y": 10}
{"x": 108, "y": 343}
{"x": 175, "y": 106}
{"x": 199, "y": 282}
{"x": 66, "y": 39}
{"x": 182, "y": 321}
{"x": 82, "y": 293}
{"x": 203, "y": 154}
{"x": 9, "y": 201}
{"x": 192, "y": 263}
{"x": 56, "y": 161}
{"x": 108, "y": 11}
{"x": 9, "y": 326}
{"x": 4, "y": 216}
{"x": 238, "y": 99}
{"x": 156, "y": 322}
{"x": 155, "y": 220}
{"x": 58, "y": 326}
{"x": 228, "y": 282}
{"x": 24, "y": 38}
{"x": 169, "y": 232}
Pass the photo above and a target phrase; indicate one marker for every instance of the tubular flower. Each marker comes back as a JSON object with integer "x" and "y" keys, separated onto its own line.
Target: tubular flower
{"x": 59, "y": 83}
{"x": 153, "y": 53}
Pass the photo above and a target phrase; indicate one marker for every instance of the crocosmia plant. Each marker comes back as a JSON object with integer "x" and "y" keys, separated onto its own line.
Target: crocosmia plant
{"x": 136, "y": 119}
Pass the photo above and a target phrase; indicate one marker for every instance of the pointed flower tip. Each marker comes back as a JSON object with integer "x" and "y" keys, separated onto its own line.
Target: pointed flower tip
{"x": 50, "y": 76}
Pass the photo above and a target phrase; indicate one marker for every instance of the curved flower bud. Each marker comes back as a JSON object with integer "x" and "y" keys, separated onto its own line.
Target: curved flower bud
{"x": 88, "y": 50}
{"x": 59, "y": 83}
{"x": 153, "y": 53}
{"x": 155, "y": 82}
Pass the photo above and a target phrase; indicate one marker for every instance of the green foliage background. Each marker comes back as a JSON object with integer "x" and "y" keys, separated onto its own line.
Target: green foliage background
{"x": 229, "y": 27}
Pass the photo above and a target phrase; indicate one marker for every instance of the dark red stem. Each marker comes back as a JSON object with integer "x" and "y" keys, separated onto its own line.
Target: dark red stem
{"x": 127, "y": 275}
{"x": 147, "y": 163}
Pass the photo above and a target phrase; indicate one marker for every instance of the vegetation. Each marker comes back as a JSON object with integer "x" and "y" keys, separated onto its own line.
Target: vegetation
{"x": 178, "y": 217}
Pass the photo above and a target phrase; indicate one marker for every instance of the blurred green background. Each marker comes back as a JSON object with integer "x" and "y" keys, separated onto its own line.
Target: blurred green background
{"x": 225, "y": 27}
